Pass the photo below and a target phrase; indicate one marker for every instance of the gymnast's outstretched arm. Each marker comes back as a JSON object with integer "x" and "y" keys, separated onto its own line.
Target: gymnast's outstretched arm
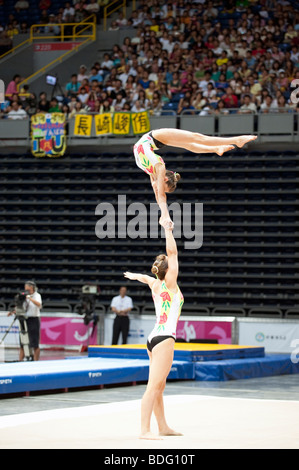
{"x": 159, "y": 190}
{"x": 144, "y": 278}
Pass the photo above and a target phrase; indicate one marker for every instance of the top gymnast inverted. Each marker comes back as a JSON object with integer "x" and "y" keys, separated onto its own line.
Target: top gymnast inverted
{"x": 165, "y": 181}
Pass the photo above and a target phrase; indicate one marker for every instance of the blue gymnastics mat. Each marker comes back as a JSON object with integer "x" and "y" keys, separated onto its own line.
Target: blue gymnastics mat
{"x": 80, "y": 372}
{"x": 191, "y": 352}
{"x": 236, "y": 369}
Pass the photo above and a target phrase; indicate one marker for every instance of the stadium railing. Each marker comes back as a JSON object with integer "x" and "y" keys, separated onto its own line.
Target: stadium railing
{"x": 34, "y": 31}
{"x": 269, "y": 127}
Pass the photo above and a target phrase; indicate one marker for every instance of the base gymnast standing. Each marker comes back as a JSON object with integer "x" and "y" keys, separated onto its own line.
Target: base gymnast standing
{"x": 165, "y": 181}
{"x": 168, "y": 301}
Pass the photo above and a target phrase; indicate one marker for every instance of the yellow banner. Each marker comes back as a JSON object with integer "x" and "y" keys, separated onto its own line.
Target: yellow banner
{"x": 140, "y": 122}
{"x": 121, "y": 123}
{"x": 103, "y": 123}
{"x": 48, "y": 137}
{"x": 111, "y": 123}
{"x": 83, "y": 123}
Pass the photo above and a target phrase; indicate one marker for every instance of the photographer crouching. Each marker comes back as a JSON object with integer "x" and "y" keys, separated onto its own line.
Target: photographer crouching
{"x": 31, "y": 317}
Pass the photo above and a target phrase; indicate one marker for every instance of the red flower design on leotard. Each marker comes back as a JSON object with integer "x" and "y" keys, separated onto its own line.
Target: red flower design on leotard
{"x": 165, "y": 296}
{"x": 150, "y": 170}
{"x": 140, "y": 149}
{"x": 163, "y": 319}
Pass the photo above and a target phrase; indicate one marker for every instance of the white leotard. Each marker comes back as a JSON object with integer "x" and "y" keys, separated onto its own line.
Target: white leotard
{"x": 145, "y": 157}
{"x": 168, "y": 308}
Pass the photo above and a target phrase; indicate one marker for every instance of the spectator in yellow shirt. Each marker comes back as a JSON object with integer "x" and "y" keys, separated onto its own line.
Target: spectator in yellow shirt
{"x": 255, "y": 87}
{"x": 11, "y": 31}
{"x": 223, "y": 59}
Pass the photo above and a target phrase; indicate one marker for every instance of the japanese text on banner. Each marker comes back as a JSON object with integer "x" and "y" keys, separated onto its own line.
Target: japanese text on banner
{"x": 83, "y": 123}
{"x": 103, "y": 123}
{"x": 140, "y": 122}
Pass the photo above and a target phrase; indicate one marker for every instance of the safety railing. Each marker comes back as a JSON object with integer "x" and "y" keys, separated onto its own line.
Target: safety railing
{"x": 76, "y": 35}
{"x": 267, "y": 129}
{"x": 14, "y": 49}
{"x": 63, "y": 34}
{"x": 50, "y": 64}
{"x": 35, "y": 33}
{"x": 230, "y": 111}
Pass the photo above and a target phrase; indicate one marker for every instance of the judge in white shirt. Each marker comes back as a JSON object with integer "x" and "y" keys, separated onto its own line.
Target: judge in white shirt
{"x": 121, "y": 305}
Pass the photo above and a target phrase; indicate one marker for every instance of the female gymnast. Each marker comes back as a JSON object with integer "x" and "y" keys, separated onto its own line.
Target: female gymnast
{"x": 168, "y": 301}
{"x": 165, "y": 181}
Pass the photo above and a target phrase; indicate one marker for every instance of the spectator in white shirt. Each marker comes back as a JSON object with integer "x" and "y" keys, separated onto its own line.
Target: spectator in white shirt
{"x": 92, "y": 7}
{"x": 107, "y": 63}
{"x": 82, "y": 73}
{"x": 137, "y": 107}
{"x": 210, "y": 11}
{"x": 69, "y": 11}
{"x": 121, "y": 20}
{"x": 203, "y": 84}
{"x": 248, "y": 106}
{"x": 121, "y": 305}
{"x": 268, "y": 105}
{"x": 21, "y": 5}
{"x": 83, "y": 96}
{"x": 16, "y": 112}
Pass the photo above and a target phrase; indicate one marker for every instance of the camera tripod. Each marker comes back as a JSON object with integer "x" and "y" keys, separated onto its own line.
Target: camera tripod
{"x": 57, "y": 87}
{"x": 24, "y": 336}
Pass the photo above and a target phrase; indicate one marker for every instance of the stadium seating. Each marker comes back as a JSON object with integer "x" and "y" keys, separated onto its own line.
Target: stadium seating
{"x": 30, "y": 16}
{"x": 248, "y": 259}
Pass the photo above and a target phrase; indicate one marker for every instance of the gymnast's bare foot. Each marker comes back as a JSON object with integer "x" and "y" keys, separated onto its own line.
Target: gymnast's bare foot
{"x": 149, "y": 435}
{"x": 244, "y": 139}
{"x": 223, "y": 148}
{"x": 169, "y": 432}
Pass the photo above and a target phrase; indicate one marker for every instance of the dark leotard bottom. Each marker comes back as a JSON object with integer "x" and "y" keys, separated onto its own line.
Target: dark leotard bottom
{"x": 157, "y": 143}
{"x": 156, "y": 340}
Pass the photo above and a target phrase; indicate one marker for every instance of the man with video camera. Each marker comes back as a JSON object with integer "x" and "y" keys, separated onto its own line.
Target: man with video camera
{"x": 31, "y": 306}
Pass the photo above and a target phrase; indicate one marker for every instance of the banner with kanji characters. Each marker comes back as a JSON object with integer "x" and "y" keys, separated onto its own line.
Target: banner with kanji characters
{"x": 103, "y": 123}
{"x": 119, "y": 123}
{"x": 140, "y": 122}
{"x": 48, "y": 136}
{"x": 83, "y": 123}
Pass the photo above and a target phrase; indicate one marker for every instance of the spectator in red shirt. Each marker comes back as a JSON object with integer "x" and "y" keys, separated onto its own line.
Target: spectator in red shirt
{"x": 44, "y": 4}
{"x": 258, "y": 50}
{"x": 230, "y": 99}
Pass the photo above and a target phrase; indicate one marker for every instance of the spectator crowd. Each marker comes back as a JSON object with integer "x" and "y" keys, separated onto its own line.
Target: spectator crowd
{"x": 191, "y": 57}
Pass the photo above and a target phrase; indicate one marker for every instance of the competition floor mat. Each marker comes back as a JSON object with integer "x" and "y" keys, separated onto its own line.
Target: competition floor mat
{"x": 191, "y": 352}
{"x": 24, "y": 377}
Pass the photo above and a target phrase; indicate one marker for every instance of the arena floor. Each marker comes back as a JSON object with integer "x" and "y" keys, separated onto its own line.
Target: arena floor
{"x": 253, "y": 413}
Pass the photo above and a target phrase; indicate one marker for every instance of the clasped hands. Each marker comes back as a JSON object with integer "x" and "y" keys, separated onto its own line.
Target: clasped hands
{"x": 166, "y": 223}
